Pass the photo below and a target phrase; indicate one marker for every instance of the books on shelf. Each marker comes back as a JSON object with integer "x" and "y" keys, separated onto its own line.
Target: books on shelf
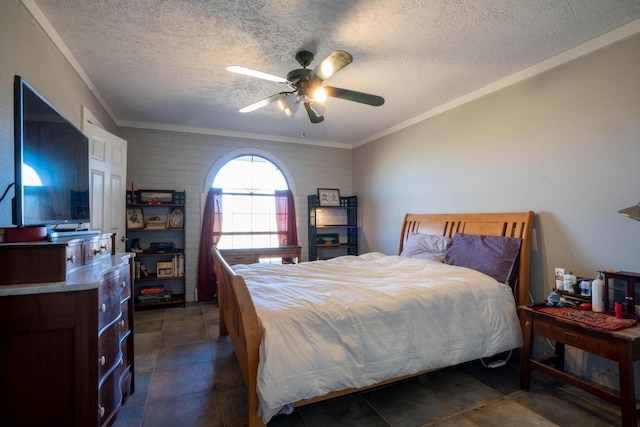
{"x": 164, "y": 296}
{"x": 152, "y": 290}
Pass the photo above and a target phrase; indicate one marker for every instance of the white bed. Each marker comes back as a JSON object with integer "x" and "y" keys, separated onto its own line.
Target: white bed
{"x": 307, "y": 332}
{"x": 327, "y": 327}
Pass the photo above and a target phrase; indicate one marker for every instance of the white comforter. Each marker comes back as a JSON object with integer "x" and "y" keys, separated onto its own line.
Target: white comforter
{"x": 355, "y": 321}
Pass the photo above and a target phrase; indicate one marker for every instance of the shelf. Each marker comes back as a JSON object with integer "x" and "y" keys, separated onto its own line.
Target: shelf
{"x": 154, "y": 278}
{"x": 158, "y": 254}
{"x": 149, "y": 205}
{"x": 146, "y": 230}
{"x": 163, "y": 246}
{"x": 177, "y": 299}
{"x": 335, "y": 224}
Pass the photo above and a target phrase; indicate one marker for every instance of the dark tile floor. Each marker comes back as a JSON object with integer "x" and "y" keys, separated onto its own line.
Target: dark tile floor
{"x": 187, "y": 376}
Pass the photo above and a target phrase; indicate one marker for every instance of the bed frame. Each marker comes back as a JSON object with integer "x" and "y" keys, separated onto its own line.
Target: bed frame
{"x": 239, "y": 320}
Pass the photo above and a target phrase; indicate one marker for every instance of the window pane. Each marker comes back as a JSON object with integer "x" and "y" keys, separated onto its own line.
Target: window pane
{"x": 253, "y": 210}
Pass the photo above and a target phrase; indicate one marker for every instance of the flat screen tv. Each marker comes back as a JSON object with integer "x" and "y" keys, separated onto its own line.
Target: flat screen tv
{"x": 51, "y": 163}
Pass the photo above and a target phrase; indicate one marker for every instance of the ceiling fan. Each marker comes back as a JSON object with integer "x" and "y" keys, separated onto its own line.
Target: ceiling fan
{"x": 306, "y": 86}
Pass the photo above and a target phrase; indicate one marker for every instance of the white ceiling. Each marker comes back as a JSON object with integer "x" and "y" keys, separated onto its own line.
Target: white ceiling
{"x": 161, "y": 63}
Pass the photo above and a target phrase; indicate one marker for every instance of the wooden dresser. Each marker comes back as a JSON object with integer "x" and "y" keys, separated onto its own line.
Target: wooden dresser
{"x": 66, "y": 346}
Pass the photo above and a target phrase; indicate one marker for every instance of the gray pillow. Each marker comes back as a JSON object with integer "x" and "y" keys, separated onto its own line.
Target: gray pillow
{"x": 494, "y": 256}
{"x": 426, "y": 246}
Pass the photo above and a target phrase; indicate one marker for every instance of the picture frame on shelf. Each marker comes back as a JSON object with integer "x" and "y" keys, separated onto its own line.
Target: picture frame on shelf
{"x": 328, "y": 197}
{"x": 156, "y": 197}
{"x": 175, "y": 219}
{"x": 135, "y": 218}
{"x": 331, "y": 239}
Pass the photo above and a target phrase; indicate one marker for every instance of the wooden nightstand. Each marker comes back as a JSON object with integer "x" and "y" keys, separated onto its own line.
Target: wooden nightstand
{"x": 622, "y": 346}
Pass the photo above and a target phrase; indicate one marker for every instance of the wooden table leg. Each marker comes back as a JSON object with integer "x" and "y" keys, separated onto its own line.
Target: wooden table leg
{"x": 627, "y": 386}
{"x": 527, "y": 350}
{"x": 559, "y": 363}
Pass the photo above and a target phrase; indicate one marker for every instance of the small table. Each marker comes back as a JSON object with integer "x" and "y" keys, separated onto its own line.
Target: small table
{"x": 622, "y": 346}
{"x": 253, "y": 255}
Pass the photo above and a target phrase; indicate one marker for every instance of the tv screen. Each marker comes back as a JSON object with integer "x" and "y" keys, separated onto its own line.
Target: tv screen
{"x": 51, "y": 163}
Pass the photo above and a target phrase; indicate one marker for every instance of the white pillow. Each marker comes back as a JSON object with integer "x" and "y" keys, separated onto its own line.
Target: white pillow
{"x": 426, "y": 246}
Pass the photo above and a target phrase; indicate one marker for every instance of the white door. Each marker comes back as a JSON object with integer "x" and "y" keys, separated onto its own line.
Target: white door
{"x": 108, "y": 172}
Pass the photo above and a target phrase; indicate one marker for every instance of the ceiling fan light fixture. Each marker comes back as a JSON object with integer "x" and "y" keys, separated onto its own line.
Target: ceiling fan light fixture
{"x": 289, "y": 104}
{"x": 320, "y": 95}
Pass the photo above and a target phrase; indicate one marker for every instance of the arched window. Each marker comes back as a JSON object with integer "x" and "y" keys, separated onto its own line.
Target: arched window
{"x": 249, "y": 184}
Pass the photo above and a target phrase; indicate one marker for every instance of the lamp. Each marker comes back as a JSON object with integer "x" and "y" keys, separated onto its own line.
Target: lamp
{"x": 632, "y": 212}
{"x": 289, "y": 104}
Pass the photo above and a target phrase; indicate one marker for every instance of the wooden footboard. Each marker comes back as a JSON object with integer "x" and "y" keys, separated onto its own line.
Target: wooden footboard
{"x": 239, "y": 320}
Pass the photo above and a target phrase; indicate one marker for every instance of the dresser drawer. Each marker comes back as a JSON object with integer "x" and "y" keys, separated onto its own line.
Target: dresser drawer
{"x": 110, "y": 295}
{"x": 123, "y": 322}
{"x": 96, "y": 249}
{"x": 73, "y": 256}
{"x": 109, "y": 398}
{"x": 109, "y": 354}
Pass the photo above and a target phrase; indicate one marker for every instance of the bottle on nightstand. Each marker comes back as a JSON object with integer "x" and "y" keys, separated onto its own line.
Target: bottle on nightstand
{"x": 597, "y": 293}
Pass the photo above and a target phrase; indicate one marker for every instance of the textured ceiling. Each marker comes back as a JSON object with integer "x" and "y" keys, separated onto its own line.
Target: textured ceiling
{"x": 161, "y": 63}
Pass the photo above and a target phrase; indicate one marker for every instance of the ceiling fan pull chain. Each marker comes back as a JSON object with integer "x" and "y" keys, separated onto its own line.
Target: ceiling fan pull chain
{"x": 304, "y": 125}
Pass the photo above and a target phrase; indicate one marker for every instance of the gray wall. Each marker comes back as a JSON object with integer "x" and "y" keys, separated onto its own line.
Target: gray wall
{"x": 565, "y": 144}
{"x": 26, "y": 51}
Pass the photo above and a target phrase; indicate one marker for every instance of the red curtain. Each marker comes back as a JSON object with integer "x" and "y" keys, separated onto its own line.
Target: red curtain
{"x": 211, "y": 228}
{"x": 286, "y": 220}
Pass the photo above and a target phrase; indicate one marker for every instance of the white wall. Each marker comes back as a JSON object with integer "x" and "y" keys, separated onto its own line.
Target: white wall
{"x": 26, "y": 51}
{"x": 187, "y": 161}
{"x": 565, "y": 144}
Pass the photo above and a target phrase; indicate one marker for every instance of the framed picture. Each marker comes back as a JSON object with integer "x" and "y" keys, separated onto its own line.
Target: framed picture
{"x": 329, "y": 197}
{"x": 155, "y": 197}
{"x": 164, "y": 269}
{"x": 327, "y": 239}
{"x": 175, "y": 218}
{"x": 135, "y": 218}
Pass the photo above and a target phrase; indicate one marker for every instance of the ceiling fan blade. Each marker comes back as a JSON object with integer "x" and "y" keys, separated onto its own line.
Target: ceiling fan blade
{"x": 263, "y": 102}
{"x": 337, "y": 60}
{"x": 351, "y": 95}
{"x": 253, "y": 73}
{"x": 312, "y": 115}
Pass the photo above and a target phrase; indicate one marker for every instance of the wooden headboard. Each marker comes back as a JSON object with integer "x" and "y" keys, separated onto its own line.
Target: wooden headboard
{"x": 514, "y": 224}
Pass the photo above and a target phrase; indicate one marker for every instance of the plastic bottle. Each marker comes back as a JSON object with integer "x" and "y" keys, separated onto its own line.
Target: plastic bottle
{"x": 597, "y": 293}
{"x": 585, "y": 287}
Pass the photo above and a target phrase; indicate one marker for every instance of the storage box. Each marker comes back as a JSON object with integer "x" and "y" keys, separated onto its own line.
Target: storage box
{"x": 164, "y": 269}
{"x": 622, "y": 287}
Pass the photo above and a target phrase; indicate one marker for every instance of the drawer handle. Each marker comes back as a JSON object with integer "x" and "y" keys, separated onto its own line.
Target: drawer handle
{"x": 72, "y": 258}
{"x": 122, "y": 323}
{"x": 102, "y": 360}
{"x": 124, "y": 284}
{"x": 121, "y": 362}
{"x": 102, "y": 308}
{"x": 570, "y": 337}
{"x": 101, "y": 411}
